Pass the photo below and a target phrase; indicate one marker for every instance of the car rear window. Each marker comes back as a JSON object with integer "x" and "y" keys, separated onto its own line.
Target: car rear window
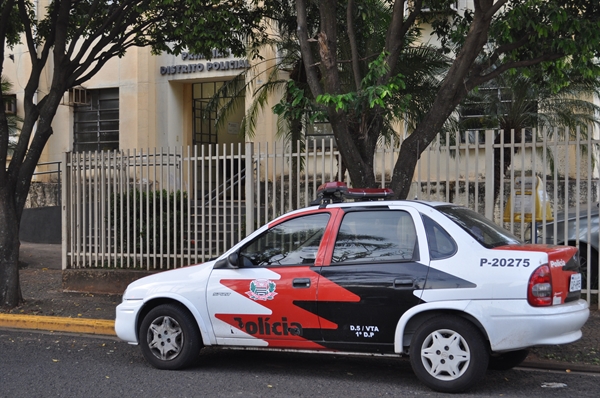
{"x": 441, "y": 244}
{"x": 483, "y": 230}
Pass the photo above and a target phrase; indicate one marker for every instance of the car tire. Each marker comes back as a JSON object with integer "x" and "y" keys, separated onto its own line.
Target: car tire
{"x": 170, "y": 337}
{"x": 449, "y": 354}
{"x": 583, "y": 260}
{"x": 507, "y": 360}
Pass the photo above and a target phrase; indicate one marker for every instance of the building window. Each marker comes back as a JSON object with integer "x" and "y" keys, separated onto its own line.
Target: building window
{"x": 205, "y": 117}
{"x": 485, "y": 110}
{"x": 97, "y": 122}
{"x": 10, "y": 104}
{"x": 318, "y": 133}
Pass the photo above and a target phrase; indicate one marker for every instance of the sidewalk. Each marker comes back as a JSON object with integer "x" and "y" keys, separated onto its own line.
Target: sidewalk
{"x": 48, "y": 308}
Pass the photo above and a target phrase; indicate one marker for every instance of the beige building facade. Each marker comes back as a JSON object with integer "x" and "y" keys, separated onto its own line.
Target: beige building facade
{"x": 143, "y": 101}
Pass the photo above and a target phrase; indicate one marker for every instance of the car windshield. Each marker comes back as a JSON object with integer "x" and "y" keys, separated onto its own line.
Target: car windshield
{"x": 483, "y": 230}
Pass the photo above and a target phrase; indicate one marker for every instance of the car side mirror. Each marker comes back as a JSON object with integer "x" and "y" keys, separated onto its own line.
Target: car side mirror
{"x": 233, "y": 259}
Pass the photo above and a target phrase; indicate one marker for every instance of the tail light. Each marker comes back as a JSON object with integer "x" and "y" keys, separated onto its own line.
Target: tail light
{"x": 539, "y": 291}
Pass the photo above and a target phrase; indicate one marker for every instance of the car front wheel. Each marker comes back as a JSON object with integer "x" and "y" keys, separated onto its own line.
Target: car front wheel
{"x": 170, "y": 337}
{"x": 448, "y": 354}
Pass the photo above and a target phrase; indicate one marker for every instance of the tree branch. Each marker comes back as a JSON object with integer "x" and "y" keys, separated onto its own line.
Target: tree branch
{"x": 480, "y": 79}
{"x": 307, "y": 58}
{"x": 501, "y": 50}
{"x": 82, "y": 28}
{"x": 353, "y": 45}
{"x": 62, "y": 30}
{"x": 28, "y": 32}
{"x": 494, "y": 8}
{"x": 86, "y": 74}
{"x": 394, "y": 41}
{"x": 118, "y": 15}
{"x": 6, "y": 15}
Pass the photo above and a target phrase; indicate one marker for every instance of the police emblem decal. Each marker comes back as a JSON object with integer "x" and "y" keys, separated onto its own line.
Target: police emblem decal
{"x": 262, "y": 289}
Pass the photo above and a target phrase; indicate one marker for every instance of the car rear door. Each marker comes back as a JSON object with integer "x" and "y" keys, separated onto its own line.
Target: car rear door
{"x": 380, "y": 255}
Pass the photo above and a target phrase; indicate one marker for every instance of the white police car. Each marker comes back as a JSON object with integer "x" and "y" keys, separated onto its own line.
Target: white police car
{"x": 434, "y": 281}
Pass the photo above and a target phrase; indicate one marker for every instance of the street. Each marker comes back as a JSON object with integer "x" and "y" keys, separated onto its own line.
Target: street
{"x": 36, "y": 364}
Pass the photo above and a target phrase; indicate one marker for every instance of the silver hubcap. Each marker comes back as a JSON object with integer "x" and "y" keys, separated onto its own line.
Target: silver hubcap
{"x": 445, "y": 354}
{"x": 165, "y": 338}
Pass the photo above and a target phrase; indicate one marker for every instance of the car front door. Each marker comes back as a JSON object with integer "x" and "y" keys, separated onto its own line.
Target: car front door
{"x": 380, "y": 256}
{"x": 267, "y": 301}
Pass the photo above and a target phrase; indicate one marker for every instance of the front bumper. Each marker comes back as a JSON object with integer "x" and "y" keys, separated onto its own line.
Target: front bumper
{"x": 126, "y": 320}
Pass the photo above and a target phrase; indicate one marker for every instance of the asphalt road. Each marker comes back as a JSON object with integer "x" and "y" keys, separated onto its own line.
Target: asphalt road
{"x": 35, "y": 364}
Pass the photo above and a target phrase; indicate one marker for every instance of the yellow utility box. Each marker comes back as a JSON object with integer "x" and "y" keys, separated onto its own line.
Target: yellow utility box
{"x": 528, "y": 196}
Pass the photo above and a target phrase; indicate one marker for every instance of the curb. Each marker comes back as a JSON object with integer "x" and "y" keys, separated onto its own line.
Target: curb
{"x": 560, "y": 366}
{"x": 59, "y": 324}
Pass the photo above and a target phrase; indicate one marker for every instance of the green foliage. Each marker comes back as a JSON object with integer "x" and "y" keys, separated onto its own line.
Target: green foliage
{"x": 550, "y": 38}
{"x": 384, "y": 98}
{"x": 12, "y": 25}
{"x": 553, "y": 36}
{"x": 298, "y": 104}
{"x": 165, "y": 25}
{"x": 90, "y": 33}
{"x": 151, "y": 220}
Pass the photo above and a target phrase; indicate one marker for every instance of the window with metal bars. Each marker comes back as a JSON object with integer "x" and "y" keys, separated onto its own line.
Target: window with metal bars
{"x": 10, "y": 104}
{"x": 485, "y": 110}
{"x": 96, "y": 124}
{"x": 204, "y": 129}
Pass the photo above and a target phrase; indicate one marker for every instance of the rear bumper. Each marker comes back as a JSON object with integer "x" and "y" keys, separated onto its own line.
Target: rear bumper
{"x": 514, "y": 324}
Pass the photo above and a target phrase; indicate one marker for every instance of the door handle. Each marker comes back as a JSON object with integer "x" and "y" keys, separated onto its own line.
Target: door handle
{"x": 301, "y": 283}
{"x": 404, "y": 283}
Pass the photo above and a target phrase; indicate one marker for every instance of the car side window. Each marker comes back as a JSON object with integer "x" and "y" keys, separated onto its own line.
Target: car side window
{"x": 374, "y": 236}
{"x": 293, "y": 242}
{"x": 441, "y": 244}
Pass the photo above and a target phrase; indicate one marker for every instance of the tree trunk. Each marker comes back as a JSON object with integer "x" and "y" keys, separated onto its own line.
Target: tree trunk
{"x": 457, "y": 83}
{"x": 361, "y": 170}
{"x": 10, "y": 288}
{"x": 14, "y": 187}
{"x": 404, "y": 168}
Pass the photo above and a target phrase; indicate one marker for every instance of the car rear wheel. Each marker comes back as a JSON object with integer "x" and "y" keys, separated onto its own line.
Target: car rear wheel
{"x": 170, "y": 337}
{"x": 449, "y": 354}
{"x": 507, "y": 360}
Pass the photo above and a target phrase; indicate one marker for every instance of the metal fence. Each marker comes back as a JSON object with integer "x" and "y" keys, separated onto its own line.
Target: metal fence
{"x": 166, "y": 208}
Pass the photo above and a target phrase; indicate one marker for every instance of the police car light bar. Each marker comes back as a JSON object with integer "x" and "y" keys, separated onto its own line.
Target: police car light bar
{"x": 337, "y": 192}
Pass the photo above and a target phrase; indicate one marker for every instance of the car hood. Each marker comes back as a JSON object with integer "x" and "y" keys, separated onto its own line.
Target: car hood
{"x": 572, "y": 213}
{"x": 162, "y": 280}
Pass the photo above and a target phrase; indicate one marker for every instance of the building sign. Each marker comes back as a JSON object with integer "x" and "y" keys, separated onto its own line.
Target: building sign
{"x": 233, "y": 128}
{"x": 204, "y": 66}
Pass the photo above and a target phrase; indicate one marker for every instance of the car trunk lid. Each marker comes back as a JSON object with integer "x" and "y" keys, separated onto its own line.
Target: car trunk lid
{"x": 563, "y": 262}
